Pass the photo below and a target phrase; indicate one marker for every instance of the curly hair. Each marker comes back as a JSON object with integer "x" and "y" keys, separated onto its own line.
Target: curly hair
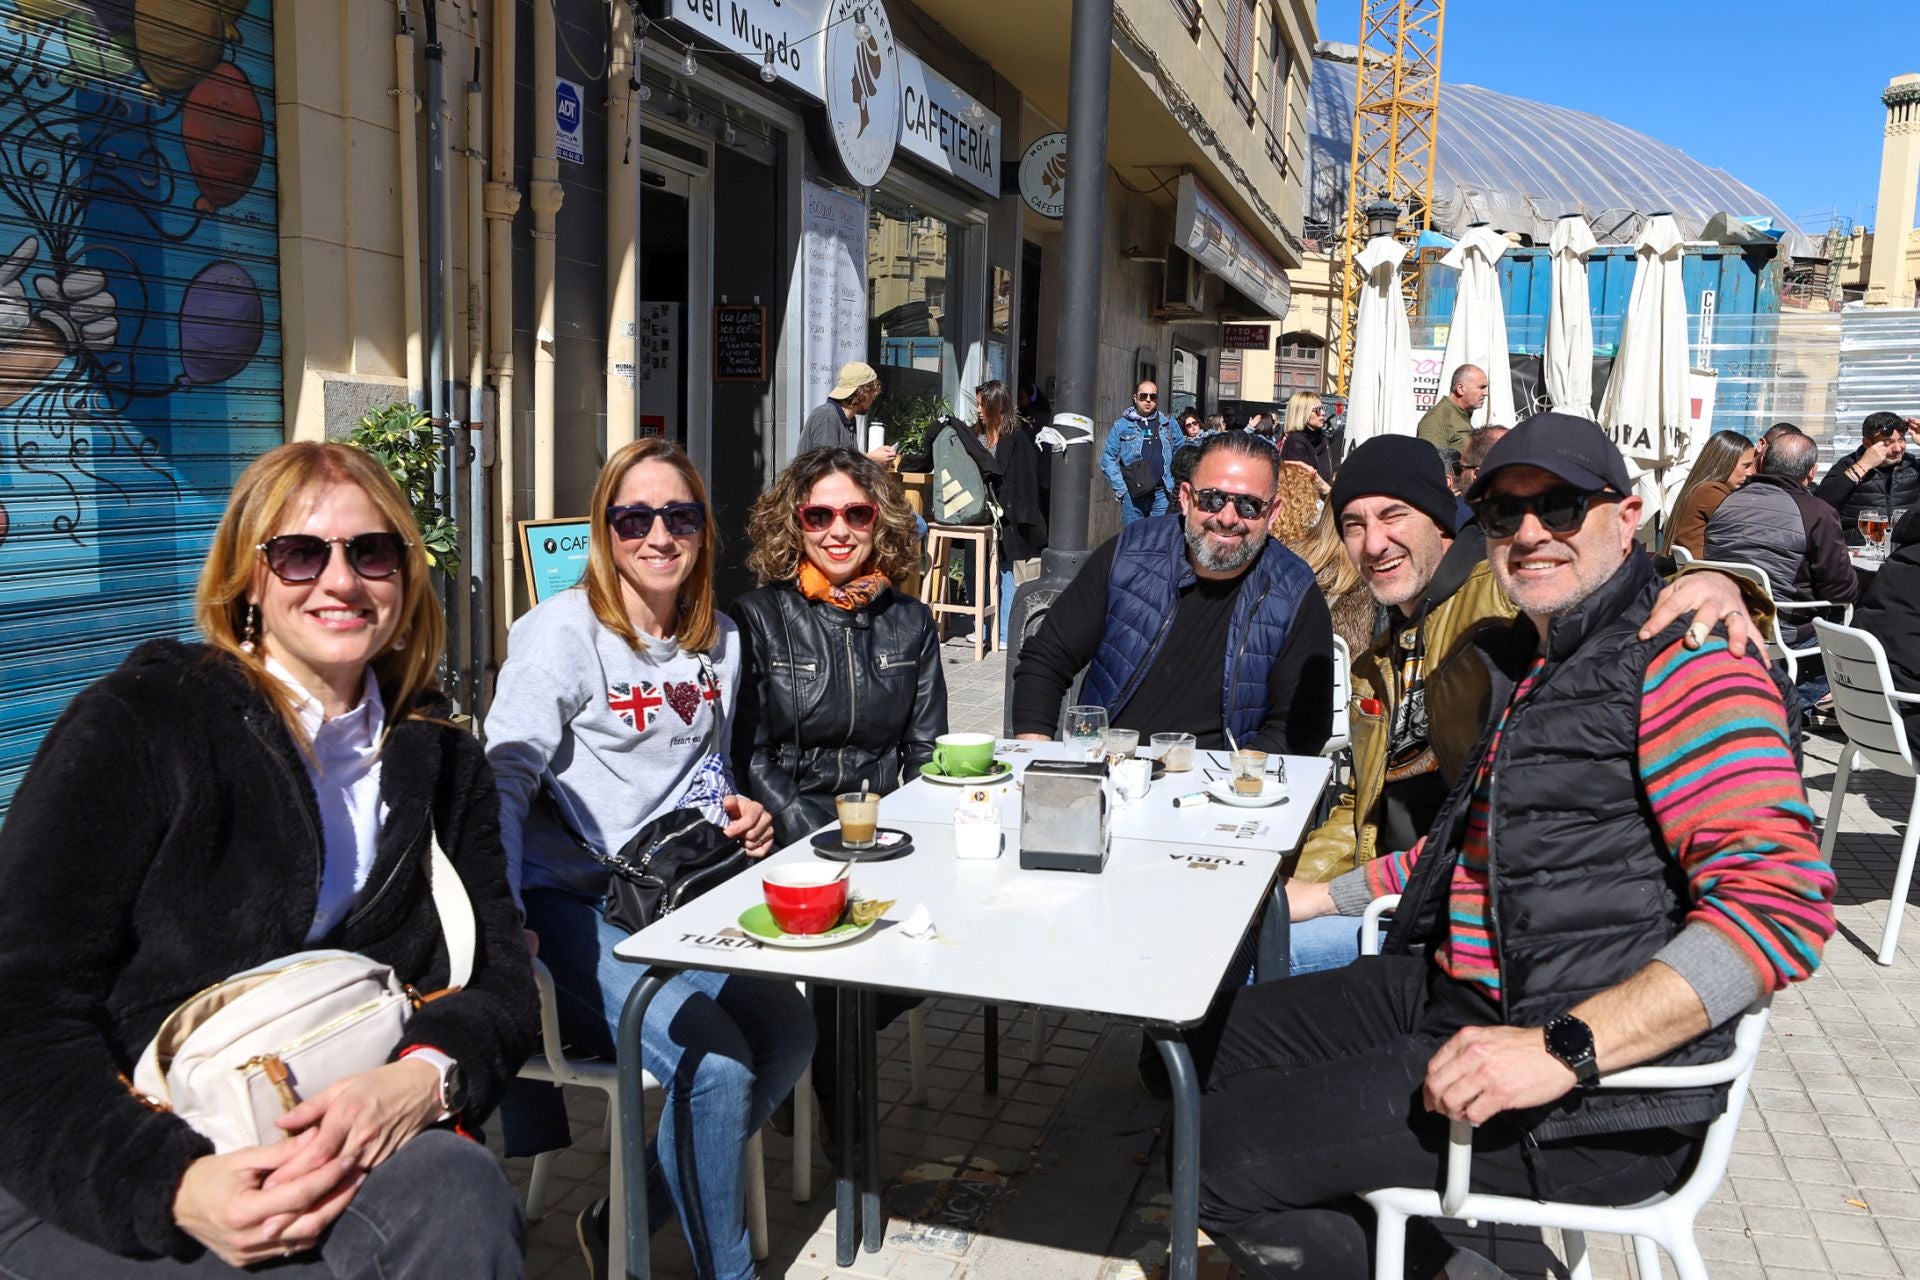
{"x": 1299, "y": 499}
{"x": 773, "y": 527}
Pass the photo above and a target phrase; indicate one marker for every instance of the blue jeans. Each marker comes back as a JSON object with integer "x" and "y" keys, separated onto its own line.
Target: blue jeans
{"x": 727, "y": 1050}
{"x": 439, "y": 1206}
{"x": 1132, "y": 509}
{"x": 1006, "y": 606}
{"x": 1327, "y": 942}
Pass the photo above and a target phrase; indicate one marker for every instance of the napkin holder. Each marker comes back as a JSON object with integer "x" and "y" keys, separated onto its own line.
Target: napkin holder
{"x": 1064, "y": 816}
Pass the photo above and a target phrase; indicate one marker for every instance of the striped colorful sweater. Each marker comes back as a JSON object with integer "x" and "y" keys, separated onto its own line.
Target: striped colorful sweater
{"x": 1716, "y": 765}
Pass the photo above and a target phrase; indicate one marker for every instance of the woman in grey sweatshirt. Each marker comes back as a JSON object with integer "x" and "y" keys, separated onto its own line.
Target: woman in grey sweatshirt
{"x": 616, "y": 701}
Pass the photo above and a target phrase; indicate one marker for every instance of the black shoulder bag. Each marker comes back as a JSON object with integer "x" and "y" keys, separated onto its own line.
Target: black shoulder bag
{"x": 670, "y": 861}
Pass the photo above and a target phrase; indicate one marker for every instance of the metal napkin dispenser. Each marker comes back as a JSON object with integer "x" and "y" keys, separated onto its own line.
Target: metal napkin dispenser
{"x": 1064, "y": 820}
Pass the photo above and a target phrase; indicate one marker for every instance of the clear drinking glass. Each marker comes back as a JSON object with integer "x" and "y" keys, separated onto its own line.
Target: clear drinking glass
{"x": 1086, "y": 729}
{"x": 1249, "y": 772}
{"x": 1873, "y": 527}
{"x": 1174, "y": 750}
{"x": 859, "y": 813}
{"x": 1120, "y": 744}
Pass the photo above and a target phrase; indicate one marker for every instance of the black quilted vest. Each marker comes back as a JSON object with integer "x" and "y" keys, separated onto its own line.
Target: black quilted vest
{"x": 1582, "y": 889}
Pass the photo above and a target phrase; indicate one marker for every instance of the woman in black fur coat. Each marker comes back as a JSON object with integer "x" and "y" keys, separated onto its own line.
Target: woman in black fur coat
{"x": 211, "y": 807}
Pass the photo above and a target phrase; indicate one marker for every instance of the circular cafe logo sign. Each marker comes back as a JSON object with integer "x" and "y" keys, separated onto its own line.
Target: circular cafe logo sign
{"x": 1043, "y": 175}
{"x": 860, "y": 77}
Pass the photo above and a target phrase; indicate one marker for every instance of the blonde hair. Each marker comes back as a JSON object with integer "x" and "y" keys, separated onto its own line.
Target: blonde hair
{"x": 1299, "y": 408}
{"x": 1325, "y": 552}
{"x": 697, "y": 628}
{"x": 1299, "y": 498}
{"x": 261, "y": 498}
{"x": 774, "y": 525}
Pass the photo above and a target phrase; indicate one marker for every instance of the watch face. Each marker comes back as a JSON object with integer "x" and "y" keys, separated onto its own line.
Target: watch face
{"x": 1569, "y": 1039}
{"x": 454, "y": 1090}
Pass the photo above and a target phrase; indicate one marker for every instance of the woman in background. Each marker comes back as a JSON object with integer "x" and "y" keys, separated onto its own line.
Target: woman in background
{"x": 1725, "y": 462}
{"x": 1023, "y": 525}
{"x": 1306, "y": 441}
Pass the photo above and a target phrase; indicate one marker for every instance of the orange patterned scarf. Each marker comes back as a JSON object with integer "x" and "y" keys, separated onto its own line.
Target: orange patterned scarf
{"x": 856, "y": 593}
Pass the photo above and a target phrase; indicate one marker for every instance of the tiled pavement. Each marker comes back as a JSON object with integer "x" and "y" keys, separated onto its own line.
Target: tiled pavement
{"x": 1057, "y": 1176}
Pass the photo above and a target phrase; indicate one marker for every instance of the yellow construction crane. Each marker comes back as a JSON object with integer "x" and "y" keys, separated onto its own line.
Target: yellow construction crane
{"x": 1396, "y": 122}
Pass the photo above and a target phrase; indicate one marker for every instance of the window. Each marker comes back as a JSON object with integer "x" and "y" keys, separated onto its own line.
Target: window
{"x": 1296, "y": 364}
{"x": 1279, "y": 74}
{"x": 1237, "y": 47}
{"x": 911, "y": 258}
{"x": 1189, "y": 11}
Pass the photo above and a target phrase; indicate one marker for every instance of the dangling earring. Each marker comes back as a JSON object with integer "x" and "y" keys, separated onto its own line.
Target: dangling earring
{"x": 252, "y": 628}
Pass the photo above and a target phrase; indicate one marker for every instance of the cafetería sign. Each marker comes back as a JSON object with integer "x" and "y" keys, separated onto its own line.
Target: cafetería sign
{"x": 947, "y": 129}
{"x": 1043, "y": 175}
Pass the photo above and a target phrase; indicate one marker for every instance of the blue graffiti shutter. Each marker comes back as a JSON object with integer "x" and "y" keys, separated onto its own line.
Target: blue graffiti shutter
{"x": 139, "y": 325}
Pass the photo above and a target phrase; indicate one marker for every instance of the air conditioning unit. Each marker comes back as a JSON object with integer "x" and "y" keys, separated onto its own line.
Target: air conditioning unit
{"x": 1183, "y": 291}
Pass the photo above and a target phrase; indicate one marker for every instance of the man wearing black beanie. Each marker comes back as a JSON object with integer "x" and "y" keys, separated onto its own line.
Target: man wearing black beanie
{"x": 1419, "y": 692}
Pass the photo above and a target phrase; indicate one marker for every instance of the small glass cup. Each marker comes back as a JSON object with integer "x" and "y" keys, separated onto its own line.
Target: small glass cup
{"x": 1174, "y": 750}
{"x": 1120, "y": 744}
{"x": 1086, "y": 729}
{"x": 1249, "y": 772}
{"x": 859, "y": 818}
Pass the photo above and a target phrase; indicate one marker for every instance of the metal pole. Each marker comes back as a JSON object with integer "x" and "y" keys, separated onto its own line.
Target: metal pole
{"x": 1082, "y": 244}
{"x": 449, "y": 477}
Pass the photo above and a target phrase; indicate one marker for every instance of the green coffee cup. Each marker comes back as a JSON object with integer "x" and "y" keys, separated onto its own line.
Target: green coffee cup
{"x": 963, "y": 755}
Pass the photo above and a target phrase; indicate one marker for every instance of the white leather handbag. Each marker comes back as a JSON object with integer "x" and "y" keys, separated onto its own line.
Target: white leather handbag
{"x": 253, "y": 1047}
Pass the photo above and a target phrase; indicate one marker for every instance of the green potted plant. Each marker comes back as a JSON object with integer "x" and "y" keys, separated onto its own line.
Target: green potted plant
{"x": 909, "y": 421}
{"x": 402, "y": 438}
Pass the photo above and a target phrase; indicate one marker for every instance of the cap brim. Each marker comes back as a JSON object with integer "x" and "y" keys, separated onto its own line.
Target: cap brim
{"x": 1572, "y": 472}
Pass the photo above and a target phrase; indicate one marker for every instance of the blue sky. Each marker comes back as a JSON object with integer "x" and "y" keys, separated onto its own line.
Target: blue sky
{"x": 1785, "y": 98}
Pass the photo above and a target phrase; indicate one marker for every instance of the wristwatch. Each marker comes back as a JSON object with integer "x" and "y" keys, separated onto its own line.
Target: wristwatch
{"x": 453, "y": 1081}
{"x": 1571, "y": 1041}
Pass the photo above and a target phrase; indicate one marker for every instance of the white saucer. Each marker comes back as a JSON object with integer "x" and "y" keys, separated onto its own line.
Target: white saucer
{"x": 1272, "y": 792}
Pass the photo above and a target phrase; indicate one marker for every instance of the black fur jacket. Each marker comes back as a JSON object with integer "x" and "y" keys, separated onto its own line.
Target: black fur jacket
{"x": 167, "y": 836}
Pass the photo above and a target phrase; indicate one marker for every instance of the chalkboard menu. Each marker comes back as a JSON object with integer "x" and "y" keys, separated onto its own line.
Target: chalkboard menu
{"x": 739, "y": 344}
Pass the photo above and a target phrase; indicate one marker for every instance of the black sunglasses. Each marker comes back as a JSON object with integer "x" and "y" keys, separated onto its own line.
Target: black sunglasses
{"x": 1212, "y": 501}
{"x": 683, "y": 519}
{"x": 1146, "y": 395}
{"x": 302, "y": 557}
{"x": 1560, "y": 510}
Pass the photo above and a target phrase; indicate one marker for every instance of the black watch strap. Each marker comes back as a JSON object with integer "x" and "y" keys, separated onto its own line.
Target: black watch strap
{"x": 1571, "y": 1041}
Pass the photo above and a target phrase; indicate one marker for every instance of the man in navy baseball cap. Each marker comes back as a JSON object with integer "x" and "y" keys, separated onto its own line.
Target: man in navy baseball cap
{"x": 1571, "y": 448}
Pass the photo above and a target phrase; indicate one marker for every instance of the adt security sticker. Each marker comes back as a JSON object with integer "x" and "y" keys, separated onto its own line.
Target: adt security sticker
{"x": 569, "y": 123}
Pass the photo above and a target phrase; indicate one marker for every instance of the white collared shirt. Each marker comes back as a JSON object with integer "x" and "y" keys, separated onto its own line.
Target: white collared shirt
{"x": 345, "y": 771}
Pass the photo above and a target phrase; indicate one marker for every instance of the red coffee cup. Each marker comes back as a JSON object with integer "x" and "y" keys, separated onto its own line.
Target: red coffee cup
{"x": 805, "y": 898}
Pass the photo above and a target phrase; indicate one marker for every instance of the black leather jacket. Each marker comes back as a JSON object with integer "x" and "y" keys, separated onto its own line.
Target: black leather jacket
{"x": 831, "y": 697}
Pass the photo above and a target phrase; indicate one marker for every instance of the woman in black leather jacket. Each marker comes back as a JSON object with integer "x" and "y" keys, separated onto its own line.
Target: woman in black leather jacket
{"x": 842, "y": 682}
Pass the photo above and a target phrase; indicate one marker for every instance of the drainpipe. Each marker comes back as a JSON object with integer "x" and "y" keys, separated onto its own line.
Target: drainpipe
{"x": 449, "y": 483}
{"x": 406, "y": 106}
{"x": 478, "y": 563}
{"x": 623, "y": 230}
{"x": 546, "y": 196}
{"x": 503, "y": 204}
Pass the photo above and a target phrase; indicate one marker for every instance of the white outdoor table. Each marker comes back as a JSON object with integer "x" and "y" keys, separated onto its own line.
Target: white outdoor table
{"x": 1864, "y": 564}
{"x": 1148, "y": 941}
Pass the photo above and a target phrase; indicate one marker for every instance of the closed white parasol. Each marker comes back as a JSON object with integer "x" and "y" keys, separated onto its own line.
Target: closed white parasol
{"x": 1478, "y": 334}
{"x": 1645, "y": 406}
{"x": 1570, "y": 320}
{"x": 1380, "y": 392}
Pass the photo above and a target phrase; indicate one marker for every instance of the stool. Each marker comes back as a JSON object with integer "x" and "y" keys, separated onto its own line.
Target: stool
{"x": 942, "y": 539}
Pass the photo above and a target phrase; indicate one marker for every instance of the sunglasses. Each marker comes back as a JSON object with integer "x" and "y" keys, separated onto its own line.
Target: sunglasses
{"x": 1146, "y": 395}
{"x": 1559, "y": 510}
{"x": 818, "y": 517}
{"x": 683, "y": 519}
{"x": 1246, "y": 505}
{"x": 303, "y": 557}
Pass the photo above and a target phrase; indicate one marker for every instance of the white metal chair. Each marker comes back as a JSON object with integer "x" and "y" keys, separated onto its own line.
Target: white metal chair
{"x": 1682, "y": 556}
{"x": 552, "y": 1065}
{"x": 1338, "y": 741}
{"x": 1777, "y": 646}
{"x": 1663, "y": 1221}
{"x": 1869, "y": 711}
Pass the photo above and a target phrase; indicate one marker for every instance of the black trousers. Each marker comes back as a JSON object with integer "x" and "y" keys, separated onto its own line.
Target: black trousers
{"x": 1315, "y": 1096}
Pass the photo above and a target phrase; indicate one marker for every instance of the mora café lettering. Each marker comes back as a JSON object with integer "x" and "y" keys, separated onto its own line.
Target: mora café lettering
{"x": 968, "y": 145}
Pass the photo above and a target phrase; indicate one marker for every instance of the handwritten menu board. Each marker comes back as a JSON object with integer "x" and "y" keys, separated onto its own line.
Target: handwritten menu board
{"x": 833, "y": 257}
{"x": 739, "y": 344}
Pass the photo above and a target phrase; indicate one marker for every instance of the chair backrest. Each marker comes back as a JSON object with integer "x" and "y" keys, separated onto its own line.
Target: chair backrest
{"x": 1751, "y": 572}
{"x": 1342, "y": 694}
{"x": 1682, "y": 556}
{"x": 1858, "y": 673}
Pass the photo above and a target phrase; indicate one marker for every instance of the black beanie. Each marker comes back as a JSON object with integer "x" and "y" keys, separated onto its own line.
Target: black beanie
{"x": 1403, "y": 467}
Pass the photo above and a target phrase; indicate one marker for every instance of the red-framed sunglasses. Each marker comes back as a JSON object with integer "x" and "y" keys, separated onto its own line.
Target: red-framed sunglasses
{"x": 818, "y": 517}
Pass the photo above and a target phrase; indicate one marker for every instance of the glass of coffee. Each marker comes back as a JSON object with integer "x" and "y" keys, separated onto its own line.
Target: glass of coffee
{"x": 1120, "y": 744}
{"x": 1174, "y": 750}
{"x": 1249, "y": 772}
{"x": 859, "y": 818}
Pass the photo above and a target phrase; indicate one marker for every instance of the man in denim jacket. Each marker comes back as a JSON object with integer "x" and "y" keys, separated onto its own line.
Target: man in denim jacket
{"x": 1142, "y": 431}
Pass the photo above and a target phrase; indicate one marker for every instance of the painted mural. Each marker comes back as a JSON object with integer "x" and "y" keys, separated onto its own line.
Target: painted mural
{"x": 139, "y": 324}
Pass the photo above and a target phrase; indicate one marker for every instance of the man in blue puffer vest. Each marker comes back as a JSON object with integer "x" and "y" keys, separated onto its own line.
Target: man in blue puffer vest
{"x": 1195, "y": 622}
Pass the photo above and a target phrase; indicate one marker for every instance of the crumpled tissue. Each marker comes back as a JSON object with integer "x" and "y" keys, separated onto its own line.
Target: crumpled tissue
{"x": 919, "y": 924}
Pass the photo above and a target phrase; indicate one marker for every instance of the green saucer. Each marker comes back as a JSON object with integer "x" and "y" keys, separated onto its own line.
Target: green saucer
{"x": 757, "y": 922}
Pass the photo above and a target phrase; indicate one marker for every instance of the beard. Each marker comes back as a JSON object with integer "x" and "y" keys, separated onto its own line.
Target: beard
{"x": 1215, "y": 558}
